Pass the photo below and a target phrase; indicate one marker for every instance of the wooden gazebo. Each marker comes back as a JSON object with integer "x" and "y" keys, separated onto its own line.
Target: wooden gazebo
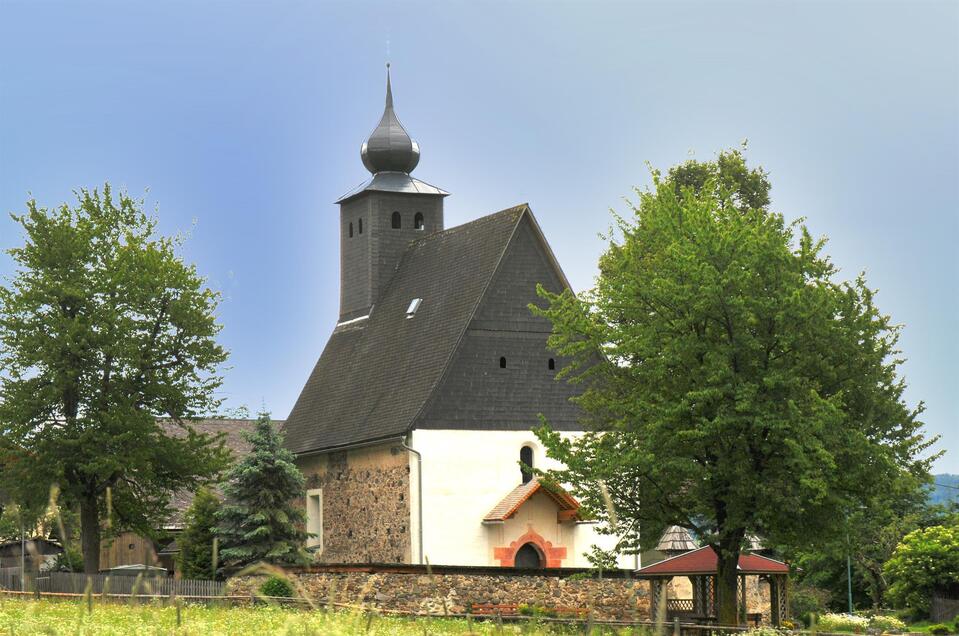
{"x": 700, "y": 566}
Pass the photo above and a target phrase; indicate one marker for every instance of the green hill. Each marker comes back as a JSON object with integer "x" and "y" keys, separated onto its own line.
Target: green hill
{"x": 946, "y": 489}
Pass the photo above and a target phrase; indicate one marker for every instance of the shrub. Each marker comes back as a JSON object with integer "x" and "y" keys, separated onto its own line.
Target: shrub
{"x": 939, "y": 629}
{"x": 70, "y": 560}
{"x": 806, "y": 600}
{"x": 843, "y": 623}
{"x": 763, "y": 631}
{"x": 277, "y": 586}
{"x": 923, "y": 561}
{"x": 886, "y": 623}
{"x": 538, "y": 611}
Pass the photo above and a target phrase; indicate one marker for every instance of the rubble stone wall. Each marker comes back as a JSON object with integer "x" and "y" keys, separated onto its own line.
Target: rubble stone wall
{"x": 617, "y": 598}
{"x": 366, "y": 504}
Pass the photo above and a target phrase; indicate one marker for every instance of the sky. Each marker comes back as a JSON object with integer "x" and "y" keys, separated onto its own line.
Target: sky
{"x": 241, "y": 123}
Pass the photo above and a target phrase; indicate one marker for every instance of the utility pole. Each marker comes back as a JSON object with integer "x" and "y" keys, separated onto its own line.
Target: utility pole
{"x": 23, "y": 555}
{"x": 848, "y": 568}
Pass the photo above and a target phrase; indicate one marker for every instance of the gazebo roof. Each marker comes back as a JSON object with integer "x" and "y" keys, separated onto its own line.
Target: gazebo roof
{"x": 676, "y": 539}
{"x": 703, "y": 561}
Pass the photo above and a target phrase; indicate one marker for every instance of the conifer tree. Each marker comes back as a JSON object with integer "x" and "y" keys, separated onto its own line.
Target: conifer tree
{"x": 196, "y": 559}
{"x": 260, "y": 520}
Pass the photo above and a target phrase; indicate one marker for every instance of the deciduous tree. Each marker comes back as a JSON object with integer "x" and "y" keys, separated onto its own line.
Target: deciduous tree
{"x": 104, "y": 328}
{"x": 731, "y": 384}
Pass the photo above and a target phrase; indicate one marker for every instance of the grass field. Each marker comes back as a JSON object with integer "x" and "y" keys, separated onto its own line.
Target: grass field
{"x": 56, "y": 617}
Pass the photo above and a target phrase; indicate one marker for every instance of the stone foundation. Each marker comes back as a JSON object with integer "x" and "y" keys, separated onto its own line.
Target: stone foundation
{"x": 366, "y": 504}
{"x": 616, "y": 598}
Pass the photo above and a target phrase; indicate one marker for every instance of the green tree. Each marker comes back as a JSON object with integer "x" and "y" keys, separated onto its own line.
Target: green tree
{"x": 259, "y": 520}
{"x": 197, "y": 559}
{"x": 729, "y": 383}
{"x": 103, "y": 328}
{"x": 925, "y": 561}
{"x": 869, "y": 539}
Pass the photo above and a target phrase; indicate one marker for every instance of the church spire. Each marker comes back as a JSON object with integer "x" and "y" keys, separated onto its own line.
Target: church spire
{"x": 389, "y": 147}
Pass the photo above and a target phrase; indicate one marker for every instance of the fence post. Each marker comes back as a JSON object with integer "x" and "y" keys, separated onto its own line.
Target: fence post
{"x": 676, "y": 626}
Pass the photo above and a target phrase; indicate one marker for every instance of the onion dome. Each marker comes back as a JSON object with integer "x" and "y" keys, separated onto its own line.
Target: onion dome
{"x": 390, "y": 148}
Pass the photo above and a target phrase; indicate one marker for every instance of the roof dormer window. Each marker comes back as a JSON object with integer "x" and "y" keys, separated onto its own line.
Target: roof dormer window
{"x": 414, "y": 305}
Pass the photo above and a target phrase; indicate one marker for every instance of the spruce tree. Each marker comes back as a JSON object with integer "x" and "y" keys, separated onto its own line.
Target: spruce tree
{"x": 196, "y": 559}
{"x": 259, "y": 520}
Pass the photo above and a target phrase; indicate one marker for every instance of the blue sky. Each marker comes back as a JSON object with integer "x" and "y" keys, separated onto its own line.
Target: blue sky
{"x": 244, "y": 121}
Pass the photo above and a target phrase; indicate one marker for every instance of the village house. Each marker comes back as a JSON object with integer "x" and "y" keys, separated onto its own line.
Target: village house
{"x": 411, "y": 427}
{"x": 133, "y": 549}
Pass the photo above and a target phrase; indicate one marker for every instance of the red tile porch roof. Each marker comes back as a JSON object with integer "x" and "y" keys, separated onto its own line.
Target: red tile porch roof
{"x": 703, "y": 561}
{"x": 568, "y": 507}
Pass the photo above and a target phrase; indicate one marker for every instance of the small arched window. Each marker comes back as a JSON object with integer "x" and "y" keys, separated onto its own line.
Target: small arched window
{"x": 526, "y": 463}
{"x": 396, "y": 221}
{"x": 551, "y": 364}
{"x": 361, "y": 226}
{"x": 418, "y": 221}
{"x": 351, "y": 229}
{"x": 502, "y": 363}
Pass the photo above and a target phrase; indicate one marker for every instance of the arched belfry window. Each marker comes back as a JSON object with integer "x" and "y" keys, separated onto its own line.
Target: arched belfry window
{"x": 351, "y": 229}
{"x": 551, "y": 364}
{"x": 418, "y": 221}
{"x": 526, "y": 463}
{"x": 361, "y": 226}
{"x": 396, "y": 221}
{"x": 502, "y": 363}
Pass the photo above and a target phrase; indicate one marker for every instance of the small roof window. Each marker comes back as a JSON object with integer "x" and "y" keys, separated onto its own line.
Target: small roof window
{"x": 414, "y": 305}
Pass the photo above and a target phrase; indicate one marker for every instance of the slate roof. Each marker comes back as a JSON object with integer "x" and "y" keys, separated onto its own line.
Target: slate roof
{"x": 375, "y": 375}
{"x": 392, "y": 182}
{"x": 521, "y": 494}
{"x": 703, "y": 561}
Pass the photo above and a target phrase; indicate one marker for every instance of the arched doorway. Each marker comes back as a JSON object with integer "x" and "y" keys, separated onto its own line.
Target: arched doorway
{"x": 528, "y": 557}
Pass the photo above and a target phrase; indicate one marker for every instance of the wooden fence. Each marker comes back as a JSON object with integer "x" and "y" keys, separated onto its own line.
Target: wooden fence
{"x": 943, "y": 609}
{"x": 67, "y": 582}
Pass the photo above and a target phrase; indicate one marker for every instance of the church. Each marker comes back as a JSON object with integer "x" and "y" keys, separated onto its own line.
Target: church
{"x": 415, "y": 423}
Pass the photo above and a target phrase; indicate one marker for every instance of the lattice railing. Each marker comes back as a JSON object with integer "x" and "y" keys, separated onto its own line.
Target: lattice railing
{"x": 679, "y": 605}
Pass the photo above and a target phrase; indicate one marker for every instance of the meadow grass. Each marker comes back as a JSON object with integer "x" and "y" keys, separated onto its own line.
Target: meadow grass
{"x": 55, "y": 617}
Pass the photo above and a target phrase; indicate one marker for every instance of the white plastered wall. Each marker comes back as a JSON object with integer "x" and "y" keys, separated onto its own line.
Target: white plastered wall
{"x": 465, "y": 474}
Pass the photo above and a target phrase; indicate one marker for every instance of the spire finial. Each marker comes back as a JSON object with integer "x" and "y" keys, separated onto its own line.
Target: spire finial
{"x": 389, "y": 88}
{"x": 389, "y": 148}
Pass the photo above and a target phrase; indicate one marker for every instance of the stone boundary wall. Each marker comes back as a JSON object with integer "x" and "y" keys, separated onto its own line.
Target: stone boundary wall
{"x": 609, "y": 598}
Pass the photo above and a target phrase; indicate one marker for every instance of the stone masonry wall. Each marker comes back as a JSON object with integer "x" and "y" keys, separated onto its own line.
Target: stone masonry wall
{"x": 366, "y": 504}
{"x": 416, "y": 592}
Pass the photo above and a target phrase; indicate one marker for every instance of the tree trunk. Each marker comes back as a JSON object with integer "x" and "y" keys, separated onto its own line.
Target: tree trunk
{"x": 727, "y": 584}
{"x": 90, "y": 534}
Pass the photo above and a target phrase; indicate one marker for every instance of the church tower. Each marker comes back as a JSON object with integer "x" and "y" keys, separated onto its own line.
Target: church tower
{"x": 379, "y": 218}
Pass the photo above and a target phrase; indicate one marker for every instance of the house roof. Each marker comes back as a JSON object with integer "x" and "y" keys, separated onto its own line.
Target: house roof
{"x": 676, "y": 539}
{"x": 508, "y": 506}
{"x": 376, "y": 375}
{"x": 703, "y": 561}
{"x": 233, "y": 439}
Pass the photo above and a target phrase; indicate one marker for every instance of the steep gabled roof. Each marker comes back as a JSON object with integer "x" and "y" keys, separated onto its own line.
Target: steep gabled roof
{"x": 376, "y": 374}
{"x": 521, "y": 494}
